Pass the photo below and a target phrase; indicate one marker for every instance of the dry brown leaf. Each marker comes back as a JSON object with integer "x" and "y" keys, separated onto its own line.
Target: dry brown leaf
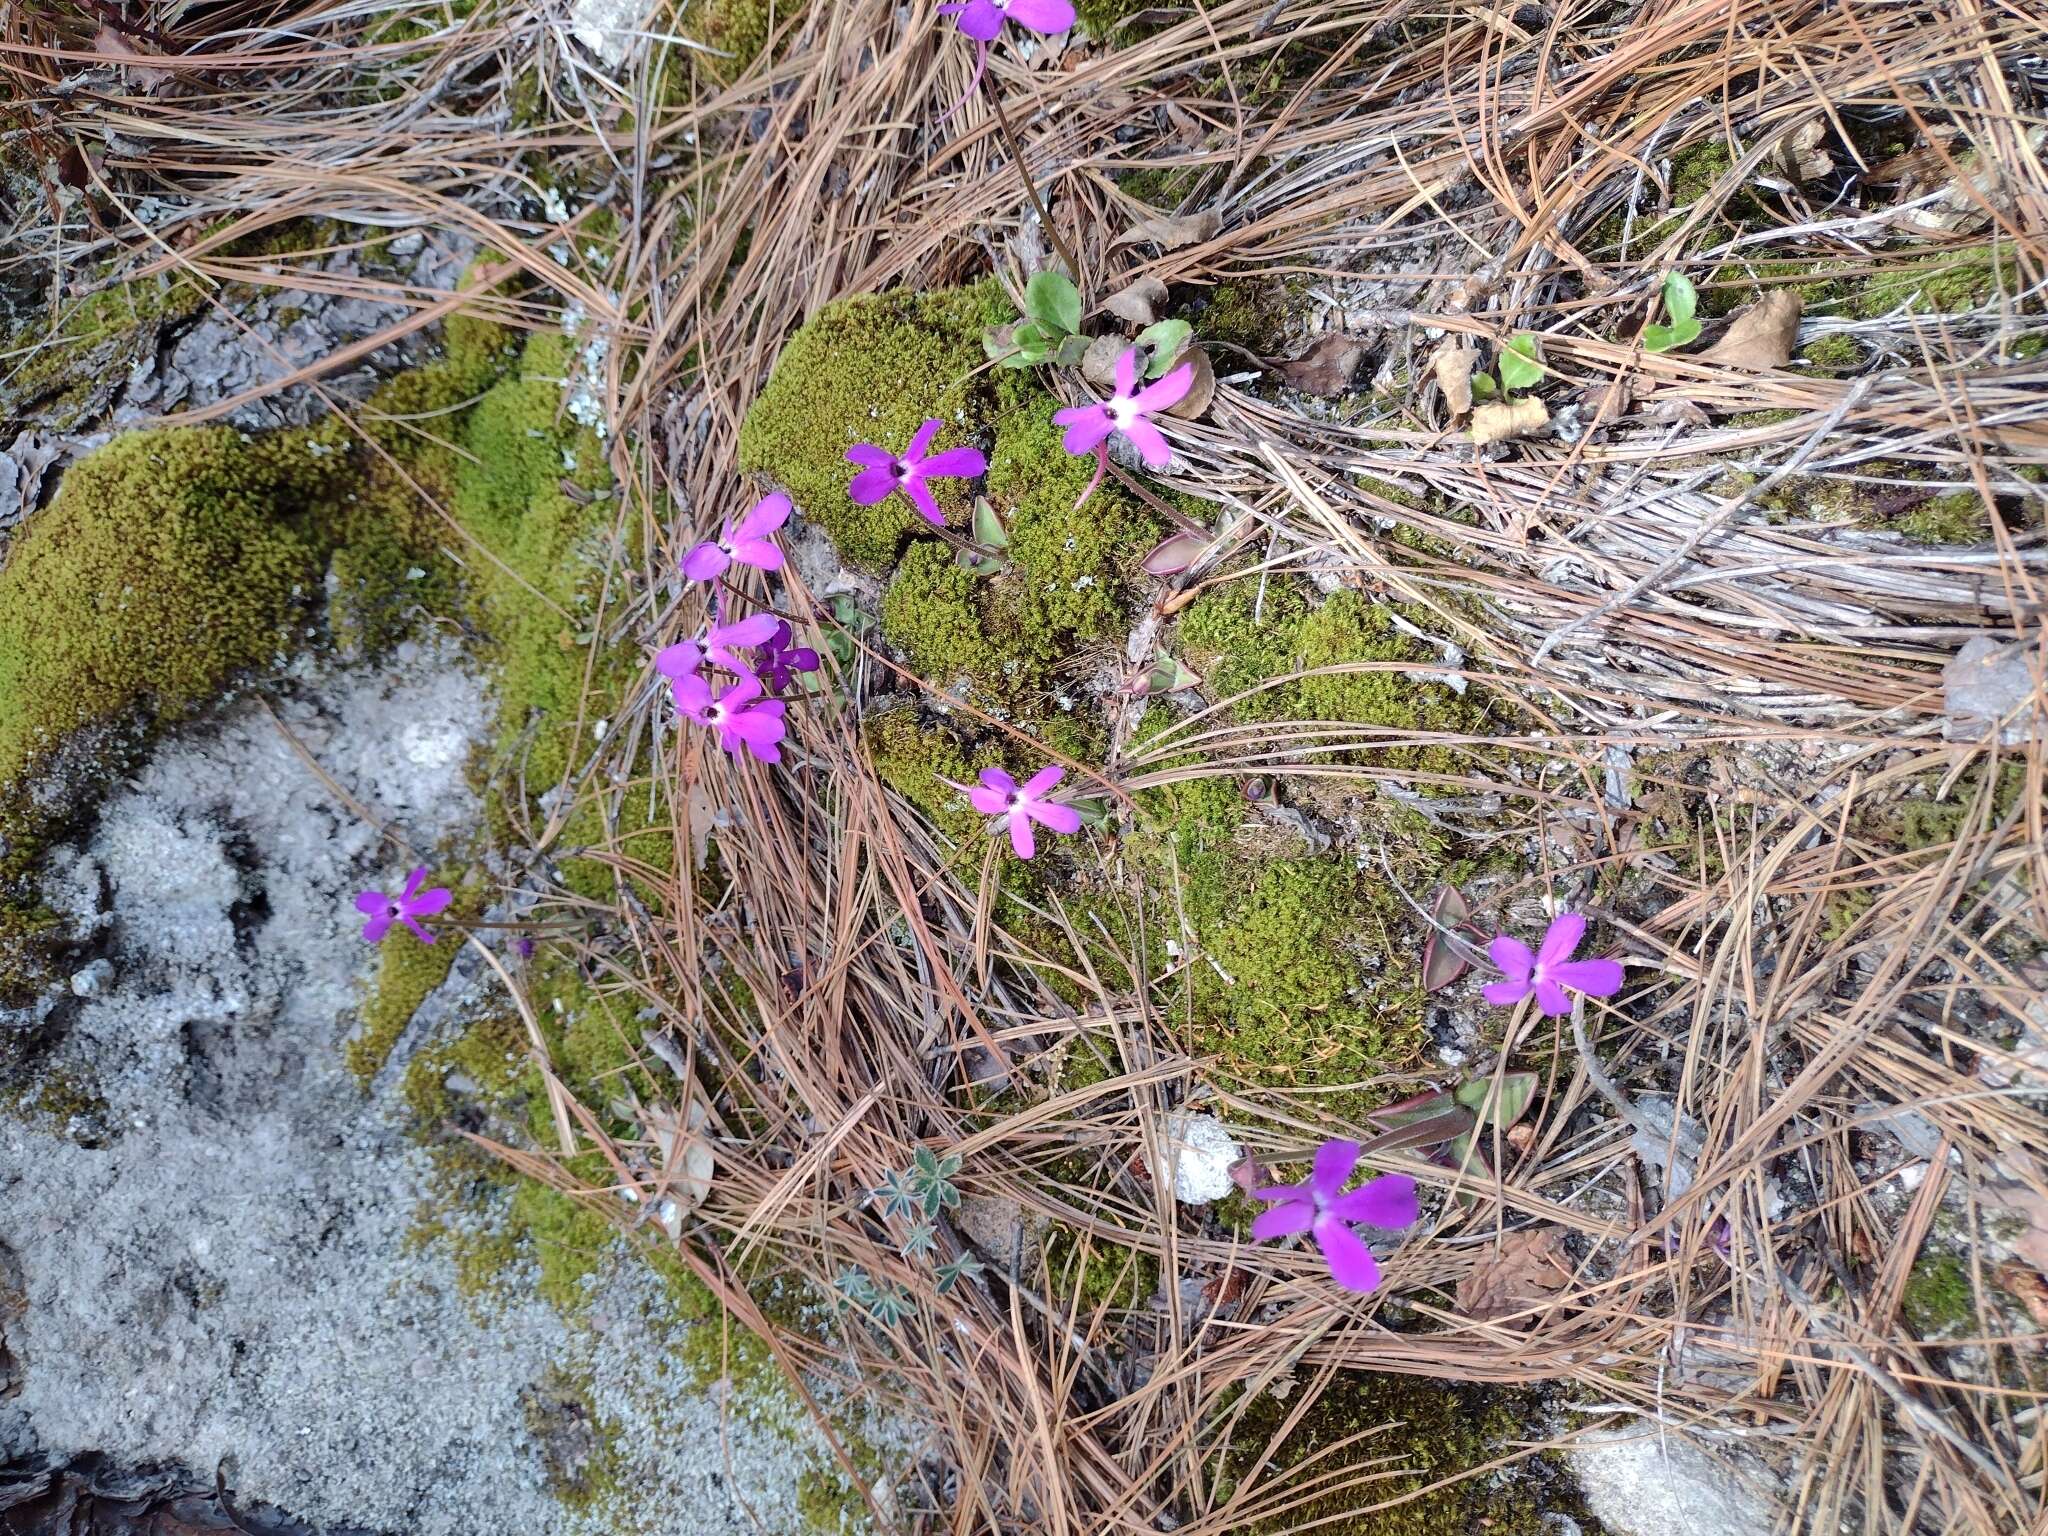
{"x": 1139, "y": 303}
{"x": 1802, "y": 155}
{"x": 1610, "y": 401}
{"x": 1499, "y": 420}
{"x": 682, "y": 1175}
{"x": 1454, "y": 362}
{"x": 1098, "y": 363}
{"x": 2026, "y": 1286}
{"x": 1529, "y": 1267}
{"x": 1762, "y": 336}
{"x": 1201, "y": 392}
{"x": 1170, "y": 232}
{"x": 132, "y": 56}
{"x": 1328, "y": 367}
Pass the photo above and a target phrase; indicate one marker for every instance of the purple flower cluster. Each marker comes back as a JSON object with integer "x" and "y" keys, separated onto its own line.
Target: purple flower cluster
{"x": 758, "y": 650}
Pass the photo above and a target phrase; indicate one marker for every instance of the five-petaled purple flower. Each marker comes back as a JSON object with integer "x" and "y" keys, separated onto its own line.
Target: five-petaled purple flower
{"x": 1016, "y": 806}
{"x": 1128, "y": 411}
{"x": 882, "y": 472}
{"x": 408, "y": 907}
{"x": 740, "y": 715}
{"x": 1551, "y": 969}
{"x": 718, "y": 644}
{"x": 748, "y": 543}
{"x": 1321, "y": 1207}
{"x": 981, "y": 20}
{"x": 780, "y": 660}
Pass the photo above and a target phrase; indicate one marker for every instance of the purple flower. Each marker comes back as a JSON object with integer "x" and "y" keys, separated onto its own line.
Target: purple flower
{"x": 882, "y": 472}
{"x": 718, "y": 644}
{"x": 1128, "y": 411}
{"x": 748, "y": 544}
{"x": 740, "y": 715}
{"x": 408, "y": 907}
{"x": 779, "y": 661}
{"x": 1016, "y": 807}
{"x": 1321, "y": 1208}
{"x": 1551, "y": 969}
{"x": 983, "y": 19}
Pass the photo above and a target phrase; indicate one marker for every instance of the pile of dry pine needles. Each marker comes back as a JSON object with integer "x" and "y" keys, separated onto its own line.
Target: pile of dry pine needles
{"x": 1423, "y": 173}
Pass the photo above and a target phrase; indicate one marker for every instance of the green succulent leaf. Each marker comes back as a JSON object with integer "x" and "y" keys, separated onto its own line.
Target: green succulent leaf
{"x": 1162, "y": 343}
{"x": 1071, "y": 351}
{"x": 1054, "y": 303}
{"x": 1516, "y": 1089}
{"x": 1483, "y": 387}
{"x": 1519, "y": 365}
{"x": 1681, "y": 299}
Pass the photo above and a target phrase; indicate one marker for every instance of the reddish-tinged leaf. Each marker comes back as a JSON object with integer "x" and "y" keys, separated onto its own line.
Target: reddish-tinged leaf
{"x": 1416, "y": 1107}
{"x": 1442, "y": 961}
{"x": 1175, "y": 553}
{"x": 1516, "y": 1089}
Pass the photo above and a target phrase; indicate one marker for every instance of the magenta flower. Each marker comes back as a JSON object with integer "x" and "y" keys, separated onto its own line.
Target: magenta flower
{"x": 1016, "y": 807}
{"x": 408, "y": 907}
{"x": 747, "y": 544}
{"x": 778, "y": 660}
{"x": 1128, "y": 411}
{"x": 740, "y": 715}
{"x": 718, "y": 644}
{"x": 882, "y": 472}
{"x": 982, "y": 20}
{"x": 1321, "y": 1208}
{"x": 1551, "y": 969}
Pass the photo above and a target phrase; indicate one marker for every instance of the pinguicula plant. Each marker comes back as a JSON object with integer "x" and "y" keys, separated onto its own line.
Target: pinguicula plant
{"x": 743, "y": 719}
{"x": 748, "y": 543}
{"x": 1016, "y": 806}
{"x": 884, "y": 473}
{"x": 982, "y": 20}
{"x": 1323, "y": 1208}
{"x": 407, "y": 907}
{"x": 1551, "y": 971}
{"x": 1519, "y": 365}
{"x": 1681, "y": 304}
{"x": 1128, "y": 411}
{"x": 1049, "y": 330}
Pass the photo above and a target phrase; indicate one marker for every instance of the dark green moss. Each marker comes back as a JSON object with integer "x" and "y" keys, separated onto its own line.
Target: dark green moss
{"x": 1939, "y": 1298}
{"x": 1431, "y": 1430}
{"x": 740, "y": 30}
{"x": 407, "y": 971}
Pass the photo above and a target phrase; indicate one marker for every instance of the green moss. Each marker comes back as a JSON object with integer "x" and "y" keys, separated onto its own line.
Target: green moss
{"x": 1951, "y": 283}
{"x": 1834, "y": 354}
{"x": 168, "y": 561}
{"x": 1956, "y": 517}
{"x": 1252, "y": 315}
{"x": 871, "y": 369}
{"x": 1106, "y": 1276}
{"x": 28, "y": 932}
{"x": 1697, "y": 170}
{"x": 740, "y": 30}
{"x": 1430, "y": 1430}
{"x": 1237, "y": 642}
{"x": 914, "y": 752}
{"x": 407, "y": 971}
{"x": 61, "y": 368}
{"x": 1939, "y": 1298}
{"x": 1107, "y": 19}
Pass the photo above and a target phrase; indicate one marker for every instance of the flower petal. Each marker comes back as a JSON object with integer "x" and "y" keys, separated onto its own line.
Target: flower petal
{"x": 705, "y": 562}
{"x": 413, "y": 881}
{"x": 990, "y": 802}
{"x": 868, "y": 456}
{"x": 693, "y": 693}
{"x": 1020, "y": 836}
{"x": 1283, "y": 1220}
{"x": 418, "y": 932}
{"x": 754, "y": 629}
{"x": 871, "y": 485}
{"x": 1351, "y": 1262}
{"x": 1334, "y": 1162}
{"x": 741, "y": 693}
{"x": 1512, "y": 957}
{"x": 1042, "y": 15}
{"x": 963, "y": 463}
{"x": 1168, "y": 390}
{"x": 1595, "y": 978}
{"x": 921, "y": 498}
{"x": 996, "y": 779}
{"x": 1061, "y": 818}
{"x": 1127, "y": 371}
{"x": 981, "y": 20}
{"x": 921, "y": 444}
{"x": 372, "y": 902}
{"x": 428, "y": 903}
{"x": 763, "y": 518}
{"x": 1561, "y": 938}
{"x": 1150, "y": 442}
{"x": 1044, "y": 780}
{"x": 1551, "y": 998}
{"x": 674, "y": 661}
{"x": 375, "y": 929}
{"x": 759, "y": 553}
{"x": 1387, "y": 1201}
{"x": 1505, "y": 994}
{"x": 1087, "y": 426}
